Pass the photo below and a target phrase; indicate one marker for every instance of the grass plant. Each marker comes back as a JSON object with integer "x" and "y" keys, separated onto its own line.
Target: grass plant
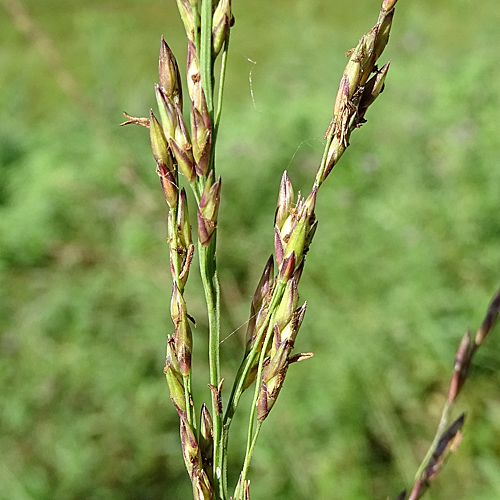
{"x": 406, "y": 254}
{"x": 275, "y": 316}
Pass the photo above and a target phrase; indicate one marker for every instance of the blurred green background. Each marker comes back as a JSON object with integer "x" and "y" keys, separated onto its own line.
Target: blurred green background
{"x": 406, "y": 256}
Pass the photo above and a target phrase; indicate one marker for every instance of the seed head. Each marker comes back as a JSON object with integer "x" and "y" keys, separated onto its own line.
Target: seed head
{"x": 201, "y": 139}
{"x": 222, "y": 21}
{"x": 206, "y": 441}
{"x": 183, "y": 224}
{"x": 287, "y": 268}
{"x": 260, "y": 302}
{"x": 287, "y": 305}
{"x": 335, "y": 151}
{"x": 273, "y": 377}
{"x": 165, "y": 167}
{"x": 186, "y": 13}
{"x": 463, "y": 358}
{"x": 200, "y": 118}
{"x": 202, "y": 487}
{"x": 176, "y": 133}
{"x": 174, "y": 378}
{"x": 489, "y": 320}
{"x": 294, "y": 227}
{"x": 190, "y": 448}
{"x": 206, "y": 432}
{"x": 449, "y": 441}
{"x": 388, "y": 4}
{"x": 193, "y": 77}
{"x": 383, "y": 32}
{"x": 168, "y": 115}
{"x": 169, "y": 77}
{"x": 372, "y": 89}
{"x": 182, "y": 336}
{"x": 291, "y": 329}
{"x": 208, "y": 210}
{"x": 368, "y": 56}
{"x": 285, "y": 201}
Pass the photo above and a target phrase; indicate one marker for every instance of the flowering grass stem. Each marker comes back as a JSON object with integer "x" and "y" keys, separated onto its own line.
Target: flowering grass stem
{"x": 275, "y": 313}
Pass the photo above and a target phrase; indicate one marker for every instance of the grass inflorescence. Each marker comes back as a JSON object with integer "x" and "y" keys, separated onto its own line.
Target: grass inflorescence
{"x": 275, "y": 313}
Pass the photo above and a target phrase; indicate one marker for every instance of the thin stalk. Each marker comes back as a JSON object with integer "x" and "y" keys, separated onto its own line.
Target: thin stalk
{"x": 211, "y": 288}
{"x": 237, "y": 389}
{"x": 221, "y": 437}
{"x": 222, "y": 79}
{"x": 220, "y": 93}
{"x": 238, "y": 494}
{"x": 205, "y": 55}
{"x": 252, "y": 436}
{"x": 208, "y": 266}
{"x": 443, "y": 423}
{"x": 329, "y": 137}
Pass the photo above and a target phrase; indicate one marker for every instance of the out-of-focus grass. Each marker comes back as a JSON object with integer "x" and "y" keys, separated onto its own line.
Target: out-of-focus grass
{"x": 405, "y": 258}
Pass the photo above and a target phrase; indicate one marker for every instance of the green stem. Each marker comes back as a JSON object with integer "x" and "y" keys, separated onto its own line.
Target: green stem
{"x": 236, "y": 393}
{"x": 222, "y": 79}
{"x": 205, "y": 55}
{"x": 252, "y": 436}
{"x": 248, "y": 362}
{"x": 212, "y": 296}
{"x": 238, "y": 494}
{"x": 208, "y": 266}
{"x": 441, "y": 428}
{"x": 319, "y": 174}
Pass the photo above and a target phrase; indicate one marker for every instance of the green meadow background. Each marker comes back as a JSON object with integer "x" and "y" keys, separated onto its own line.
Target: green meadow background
{"x": 406, "y": 256}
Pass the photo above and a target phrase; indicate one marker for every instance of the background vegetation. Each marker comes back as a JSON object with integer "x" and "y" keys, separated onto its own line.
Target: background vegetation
{"x": 405, "y": 258}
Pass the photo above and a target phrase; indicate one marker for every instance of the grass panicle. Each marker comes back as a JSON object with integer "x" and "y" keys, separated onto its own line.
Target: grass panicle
{"x": 448, "y": 436}
{"x": 275, "y": 313}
